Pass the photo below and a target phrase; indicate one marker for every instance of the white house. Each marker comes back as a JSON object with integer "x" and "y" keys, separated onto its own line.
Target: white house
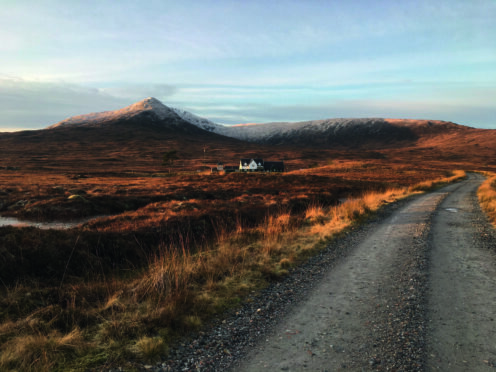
{"x": 251, "y": 165}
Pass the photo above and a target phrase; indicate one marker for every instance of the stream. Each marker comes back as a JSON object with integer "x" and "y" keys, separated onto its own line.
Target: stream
{"x": 59, "y": 225}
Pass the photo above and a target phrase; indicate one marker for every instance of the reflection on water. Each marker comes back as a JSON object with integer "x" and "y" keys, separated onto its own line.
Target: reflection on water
{"x": 12, "y": 221}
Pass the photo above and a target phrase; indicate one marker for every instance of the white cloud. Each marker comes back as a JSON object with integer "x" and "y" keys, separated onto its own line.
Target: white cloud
{"x": 140, "y": 91}
{"x": 30, "y": 104}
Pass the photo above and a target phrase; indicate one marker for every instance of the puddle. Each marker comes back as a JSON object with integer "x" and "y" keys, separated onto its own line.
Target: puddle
{"x": 58, "y": 225}
{"x": 452, "y": 210}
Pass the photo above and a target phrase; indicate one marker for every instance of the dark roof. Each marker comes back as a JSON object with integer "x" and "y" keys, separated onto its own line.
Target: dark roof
{"x": 279, "y": 165}
{"x": 258, "y": 160}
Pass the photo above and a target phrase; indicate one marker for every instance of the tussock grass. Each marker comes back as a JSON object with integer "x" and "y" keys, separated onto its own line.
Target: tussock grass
{"x": 177, "y": 291}
{"x": 487, "y": 196}
{"x": 150, "y": 348}
{"x": 41, "y": 352}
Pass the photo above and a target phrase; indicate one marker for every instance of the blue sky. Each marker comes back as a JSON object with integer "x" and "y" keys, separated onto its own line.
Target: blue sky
{"x": 249, "y": 61}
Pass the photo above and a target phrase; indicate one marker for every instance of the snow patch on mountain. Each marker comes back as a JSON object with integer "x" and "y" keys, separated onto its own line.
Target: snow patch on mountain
{"x": 199, "y": 121}
{"x": 268, "y": 131}
{"x": 278, "y": 130}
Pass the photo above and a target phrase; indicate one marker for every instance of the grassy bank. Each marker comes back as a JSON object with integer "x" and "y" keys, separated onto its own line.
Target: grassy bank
{"x": 116, "y": 318}
{"x": 487, "y": 196}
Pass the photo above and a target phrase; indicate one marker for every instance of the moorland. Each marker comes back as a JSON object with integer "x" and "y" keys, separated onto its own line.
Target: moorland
{"x": 169, "y": 247}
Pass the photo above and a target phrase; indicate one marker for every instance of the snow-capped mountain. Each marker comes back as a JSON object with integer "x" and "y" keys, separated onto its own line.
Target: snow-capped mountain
{"x": 149, "y": 106}
{"x": 334, "y": 132}
{"x": 281, "y": 132}
{"x": 375, "y": 132}
{"x": 323, "y": 133}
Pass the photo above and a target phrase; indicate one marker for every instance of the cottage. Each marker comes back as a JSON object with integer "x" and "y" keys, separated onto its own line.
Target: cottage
{"x": 252, "y": 165}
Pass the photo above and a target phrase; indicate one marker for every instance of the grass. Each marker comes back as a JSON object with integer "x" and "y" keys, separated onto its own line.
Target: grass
{"x": 85, "y": 323}
{"x": 41, "y": 352}
{"x": 487, "y": 196}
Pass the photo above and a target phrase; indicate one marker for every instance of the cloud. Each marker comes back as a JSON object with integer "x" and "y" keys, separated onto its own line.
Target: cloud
{"x": 31, "y": 104}
{"x": 27, "y": 104}
{"x": 140, "y": 91}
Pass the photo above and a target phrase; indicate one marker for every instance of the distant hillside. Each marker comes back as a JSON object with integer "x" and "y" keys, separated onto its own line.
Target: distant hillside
{"x": 135, "y": 138}
{"x": 341, "y": 133}
{"x": 426, "y": 140}
{"x": 330, "y": 133}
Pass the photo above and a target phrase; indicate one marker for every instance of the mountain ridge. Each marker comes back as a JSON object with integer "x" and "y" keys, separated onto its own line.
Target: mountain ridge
{"x": 335, "y": 132}
{"x": 136, "y": 137}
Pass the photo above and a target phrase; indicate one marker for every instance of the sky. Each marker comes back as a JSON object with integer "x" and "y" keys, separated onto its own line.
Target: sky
{"x": 249, "y": 61}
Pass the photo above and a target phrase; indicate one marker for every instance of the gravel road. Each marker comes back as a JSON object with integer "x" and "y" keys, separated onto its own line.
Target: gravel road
{"x": 412, "y": 290}
{"x": 462, "y": 291}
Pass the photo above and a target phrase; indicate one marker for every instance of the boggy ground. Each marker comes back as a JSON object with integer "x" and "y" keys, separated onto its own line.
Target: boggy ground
{"x": 60, "y": 196}
{"x": 177, "y": 250}
{"x": 136, "y": 213}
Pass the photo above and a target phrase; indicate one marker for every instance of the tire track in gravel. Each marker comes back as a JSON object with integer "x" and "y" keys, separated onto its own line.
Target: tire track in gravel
{"x": 369, "y": 312}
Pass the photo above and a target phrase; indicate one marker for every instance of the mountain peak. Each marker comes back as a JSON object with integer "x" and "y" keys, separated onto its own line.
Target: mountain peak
{"x": 150, "y": 104}
{"x": 147, "y": 105}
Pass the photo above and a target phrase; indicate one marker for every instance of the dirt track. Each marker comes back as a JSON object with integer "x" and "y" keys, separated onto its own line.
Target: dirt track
{"x": 417, "y": 292}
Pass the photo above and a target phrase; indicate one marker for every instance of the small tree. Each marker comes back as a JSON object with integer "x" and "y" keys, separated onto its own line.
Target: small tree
{"x": 169, "y": 158}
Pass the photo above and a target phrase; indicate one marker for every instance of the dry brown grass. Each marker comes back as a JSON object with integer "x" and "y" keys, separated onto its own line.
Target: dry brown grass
{"x": 179, "y": 289}
{"x": 41, "y": 352}
{"x": 428, "y": 185}
{"x": 487, "y": 196}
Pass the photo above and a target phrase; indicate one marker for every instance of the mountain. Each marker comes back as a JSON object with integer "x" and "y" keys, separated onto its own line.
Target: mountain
{"x": 417, "y": 140}
{"x": 329, "y": 133}
{"x": 149, "y": 107}
{"x": 135, "y": 138}
{"x": 132, "y": 138}
{"x": 341, "y": 133}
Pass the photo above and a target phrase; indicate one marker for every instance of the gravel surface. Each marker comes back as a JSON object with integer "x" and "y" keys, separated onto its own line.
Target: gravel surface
{"x": 390, "y": 314}
{"x": 462, "y": 285}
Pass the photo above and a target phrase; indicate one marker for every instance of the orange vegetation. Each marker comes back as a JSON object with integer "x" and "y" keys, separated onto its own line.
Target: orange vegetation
{"x": 196, "y": 244}
{"x": 487, "y": 196}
